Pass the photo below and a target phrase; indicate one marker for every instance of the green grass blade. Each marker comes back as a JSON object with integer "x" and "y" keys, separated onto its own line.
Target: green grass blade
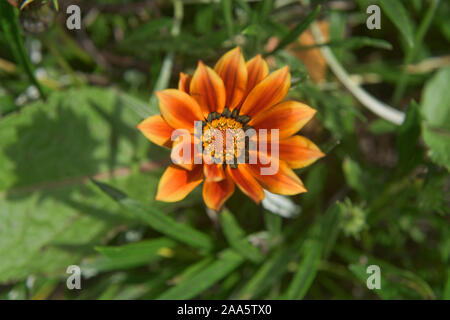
{"x": 319, "y": 245}
{"x": 399, "y": 17}
{"x": 132, "y": 255}
{"x": 200, "y": 281}
{"x": 236, "y": 238}
{"x": 270, "y": 272}
{"x": 9, "y": 22}
{"x": 158, "y": 220}
{"x": 227, "y": 10}
{"x": 297, "y": 31}
{"x": 307, "y": 270}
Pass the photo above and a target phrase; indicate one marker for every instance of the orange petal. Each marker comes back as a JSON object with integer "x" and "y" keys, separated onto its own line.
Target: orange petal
{"x": 246, "y": 182}
{"x": 184, "y": 82}
{"x": 257, "y": 70}
{"x": 284, "y": 181}
{"x": 289, "y": 117}
{"x": 179, "y": 109}
{"x": 299, "y": 152}
{"x": 176, "y": 183}
{"x": 267, "y": 93}
{"x": 231, "y": 68}
{"x": 213, "y": 172}
{"x": 216, "y": 193}
{"x": 208, "y": 89}
{"x": 156, "y": 129}
{"x": 184, "y": 151}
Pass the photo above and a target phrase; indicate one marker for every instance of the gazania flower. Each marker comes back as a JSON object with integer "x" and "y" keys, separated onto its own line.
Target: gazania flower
{"x": 235, "y": 95}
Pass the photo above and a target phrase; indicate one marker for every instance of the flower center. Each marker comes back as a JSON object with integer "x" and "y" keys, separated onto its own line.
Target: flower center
{"x": 224, "y": 139}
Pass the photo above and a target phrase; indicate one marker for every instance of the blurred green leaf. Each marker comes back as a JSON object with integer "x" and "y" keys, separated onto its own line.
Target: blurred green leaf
{"x": 400, "y": 18}
{"x": 198, "y": 282}
{"x": 158, "y": 220}
{"x": 236, "y": 237}
{"x": 408, "y": 139}
{"x": 10, "y": 25}
{"x": 227, "y": 10}
{"x": 318, "y": 245}
{"x": 49, "y": 218}
{"x": 435, "y": 111}
{"x": 269, "y": 272}
{"x": 395, "y": 282}
{"x": 132, "y": 255}
{"x": 296, "y": 31}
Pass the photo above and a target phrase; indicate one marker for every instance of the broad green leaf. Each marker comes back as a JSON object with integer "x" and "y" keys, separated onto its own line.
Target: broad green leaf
{"x": 297, "y": 30}
{"x": 236, "y": 237}
{"x": 435, "y": 109}
{"x": 399, "y": 17}
{"x": 196, "y": 283}
{"x": 9, "y": 21}
{"x": 49, "y": 217}
{"x": 132, "y": 255}
{"x": 158, "y": 220}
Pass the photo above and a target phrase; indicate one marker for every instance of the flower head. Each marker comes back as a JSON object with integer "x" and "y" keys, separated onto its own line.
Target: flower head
{"x": 229, "y": 126}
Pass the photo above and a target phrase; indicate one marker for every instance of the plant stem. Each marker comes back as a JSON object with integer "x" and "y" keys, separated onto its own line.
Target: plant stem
{"x": 379, "y": 108}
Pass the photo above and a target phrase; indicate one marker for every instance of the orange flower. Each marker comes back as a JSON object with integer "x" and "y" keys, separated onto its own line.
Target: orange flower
{"x": 239, "y": 97}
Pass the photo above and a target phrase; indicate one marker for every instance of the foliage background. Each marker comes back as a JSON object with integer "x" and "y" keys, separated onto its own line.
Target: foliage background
{"x": 380, "y": 196}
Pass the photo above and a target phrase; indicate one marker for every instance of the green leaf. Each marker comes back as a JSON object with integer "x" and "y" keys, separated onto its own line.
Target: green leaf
{"x": 236, "y": 237}
{"x": 350, "y": 43}
{"x": 132, "y": 255}
{"x": 318, "y": 245}
{"x": 297, "y": 30}
{"x": 158, "y": 220}
{"x": 399, "y": 17}
{"x": 227, "y": 7}
{"x": 436, "y": 114}
{"x": 269, "y": 272}
{"x": 446, "y": 293}
{"x": 49, "y": 217}
{"x": 198, "y": 282}
{"x": 307, "y": 270}
{"x": 395, "y": 283}
{"x": 9, "y": 21}
{"x": 408, "y": 139}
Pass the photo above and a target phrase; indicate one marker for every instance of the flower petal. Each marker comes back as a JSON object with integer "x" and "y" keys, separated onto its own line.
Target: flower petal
{"x": 299, "y": 152}
{"x": 179, "y": 109}
{"x": 156, "y": 129}
{"x": 216, "y": 193}
{"x": 176, "y": 183}
{"x": 284, "y": 181}
{"x": 246, "y": 182}
{"x": 213, "y": 172}
{"x": 231, "y": 68}
{"x": 257, "y": 70}
{"x": 184, "y": 82}
{"x": 289, "y": 117}
{"x": 208, "y": 89}
{"x": 184, "y": 151}
{"x": 267, "y": 93}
